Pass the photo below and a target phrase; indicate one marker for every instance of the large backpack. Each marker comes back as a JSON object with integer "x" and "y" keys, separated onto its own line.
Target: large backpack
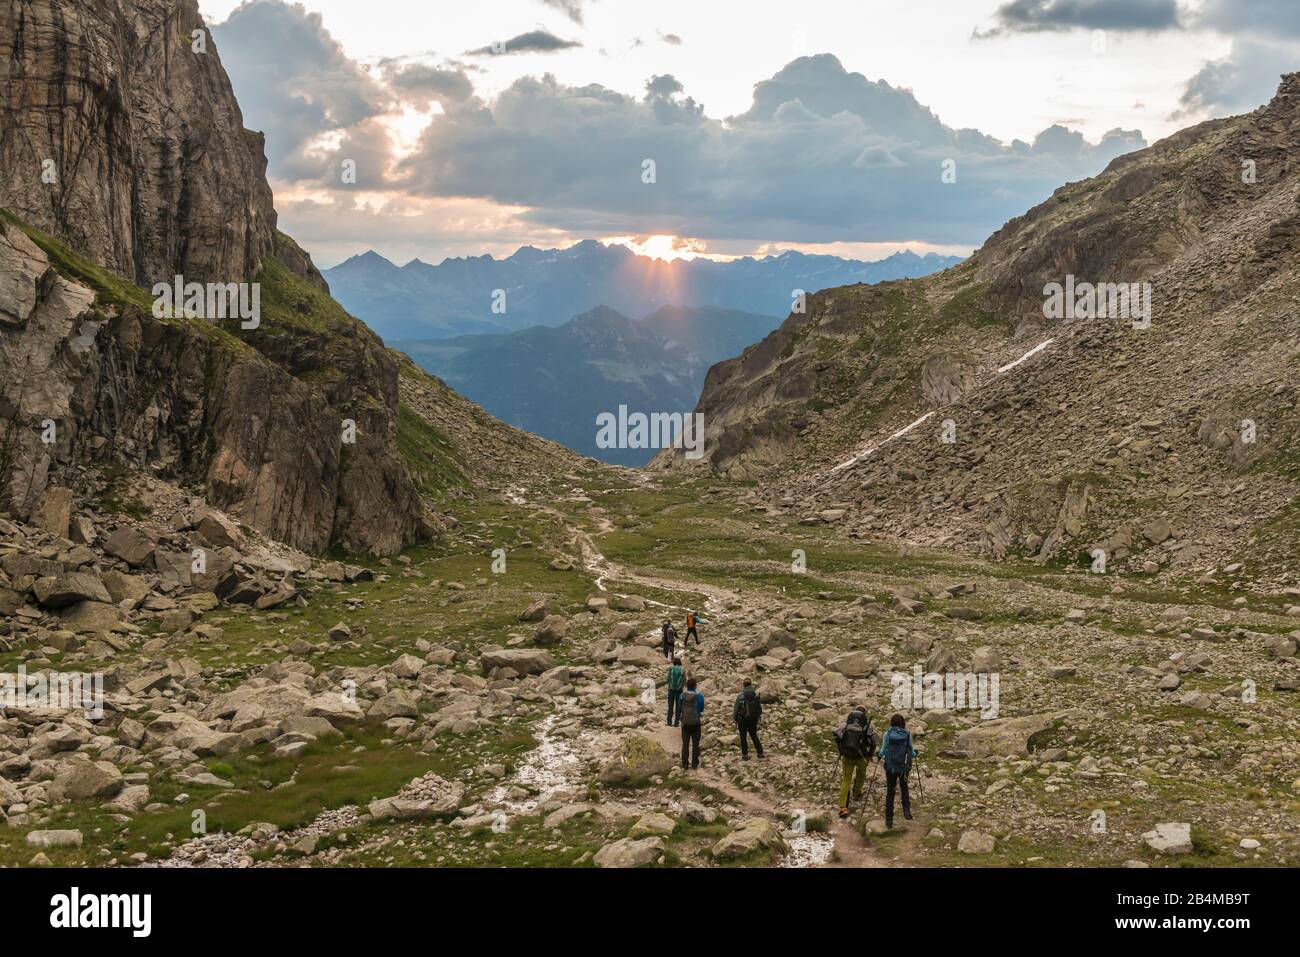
{"x": 690, "y": 709}
{"x": 749, "y": 707}
{"x": 898, "y": 753}
{"x": 855, "y": 740}
{"x": 676, "y": 676}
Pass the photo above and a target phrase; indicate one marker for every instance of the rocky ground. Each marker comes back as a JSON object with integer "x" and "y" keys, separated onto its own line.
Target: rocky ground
{"x": 496, "y": 697}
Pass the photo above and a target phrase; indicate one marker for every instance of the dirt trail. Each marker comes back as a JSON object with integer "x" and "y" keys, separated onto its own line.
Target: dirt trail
{"x": 849, "y": 849}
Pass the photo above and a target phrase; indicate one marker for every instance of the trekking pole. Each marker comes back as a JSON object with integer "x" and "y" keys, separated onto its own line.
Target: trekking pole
{"x": 870, "y": 799}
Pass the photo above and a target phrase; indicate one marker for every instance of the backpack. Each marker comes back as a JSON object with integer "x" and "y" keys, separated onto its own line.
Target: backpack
{"x": 748, "y": 707}
{"x": 855, "y": 740}
{"x": 690, "y": 709}
{"x": 676, "y": 678}
{"x": 898, "y": 752}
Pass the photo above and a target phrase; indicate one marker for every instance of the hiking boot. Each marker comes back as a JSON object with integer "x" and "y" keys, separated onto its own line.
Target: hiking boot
{"x": 745, "y": 757}
{"x": 844, "y": 812}
{"x": 907, "y": 814}
{"x": 762, "y": 756}
{"x": 889, "y": 824}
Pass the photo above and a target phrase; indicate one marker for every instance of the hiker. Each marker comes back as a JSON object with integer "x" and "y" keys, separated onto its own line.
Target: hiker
{"x": 692, "y": 620}
{"x": 676, "y": 678}
{"x": 896, "y": 752}
{"x": 691, "y": 712}
{"x": 748, "y": 709}
{"x": 670, "y": 640}
{"x": 855, "y": 742}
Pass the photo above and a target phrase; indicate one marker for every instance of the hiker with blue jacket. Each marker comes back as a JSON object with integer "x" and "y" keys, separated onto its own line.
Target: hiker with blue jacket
{"x": 691, "y": 712}
{"x": 896, "y": 752}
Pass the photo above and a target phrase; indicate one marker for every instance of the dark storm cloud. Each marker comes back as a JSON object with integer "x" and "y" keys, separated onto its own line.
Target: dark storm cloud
{"x": 534, "y": 41}
{"x": 1033, "y": 16}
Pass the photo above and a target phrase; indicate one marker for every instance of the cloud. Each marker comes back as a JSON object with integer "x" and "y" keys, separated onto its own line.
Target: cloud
{"x": 1035, "y": 16}
{"x": 822, "y": 155}
{"x": 293, "y": 79}
{"x": 1258, "y": 18}
{"x": 571, "y": 8}
{"x": 534, "y": 41}
{"x": 671, "y": 39}
{"x": 422, "y": 85}
{"x": 1241, "y": 81}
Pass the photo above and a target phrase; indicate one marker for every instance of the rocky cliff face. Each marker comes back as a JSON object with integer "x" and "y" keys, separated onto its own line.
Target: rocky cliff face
{"x": 89, "y": 381}
{"x": 121, "y": 139}
{"x": 290, "y": 426}
{"x": 949, "y": 410}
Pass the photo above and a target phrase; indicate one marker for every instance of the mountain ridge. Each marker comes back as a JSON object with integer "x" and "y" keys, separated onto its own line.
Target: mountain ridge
{"x": 467, "y": 295}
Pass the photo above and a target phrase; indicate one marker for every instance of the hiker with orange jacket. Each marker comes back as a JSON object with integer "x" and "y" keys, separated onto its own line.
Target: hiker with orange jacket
{"x": 692, "y": 620}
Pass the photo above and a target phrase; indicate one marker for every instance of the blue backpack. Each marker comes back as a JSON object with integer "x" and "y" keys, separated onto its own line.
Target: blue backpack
{"x": 898, "y": 751}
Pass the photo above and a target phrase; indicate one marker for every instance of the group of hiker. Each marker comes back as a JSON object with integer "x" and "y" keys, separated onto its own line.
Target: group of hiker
{"x": 856, "y": 742}
{"x": 693, "y": 621}
{"x": 855, "y": 739}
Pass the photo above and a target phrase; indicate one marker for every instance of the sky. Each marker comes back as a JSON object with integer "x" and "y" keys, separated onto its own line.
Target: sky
{"x": 427, "y": 128}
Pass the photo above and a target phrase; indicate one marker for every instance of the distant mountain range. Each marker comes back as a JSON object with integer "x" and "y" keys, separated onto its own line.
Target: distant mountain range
{"x": 554, "y": 381}
{"x": 547, "y": 287}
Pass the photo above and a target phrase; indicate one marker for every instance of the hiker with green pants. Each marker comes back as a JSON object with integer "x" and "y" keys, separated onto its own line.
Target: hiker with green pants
{"x": 855, "y": 743}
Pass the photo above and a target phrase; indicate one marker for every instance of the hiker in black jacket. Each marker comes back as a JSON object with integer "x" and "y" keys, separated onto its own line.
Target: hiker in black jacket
{"x": 855, "y": 742}
{"x": 747, "y": 712}
{"x": 670, "y": 639}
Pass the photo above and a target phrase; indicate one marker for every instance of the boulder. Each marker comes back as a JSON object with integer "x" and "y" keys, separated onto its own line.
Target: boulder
{"x": 66, "y": 838}
{"x": 1170, "y": 838}
{"x": 180, "y": 730}
{"x": 752, "y": 836}
{"x": 131, "y": 545}
{"x": 524, "y": 661}
{"x": 854, "y": 664}
{"x": 60, "y": 591}
{"x": 1005, "y": 737}
{"x": 654, "y": 824}
{"x": 770, "y": 639}
{"x": 91, "y": 616}
{"x": 218, "y": 530}
{"x": 975, "y": 842}
{"x": 81, "y": 779}
{"x": 552, "y": 630}
{"x": 637, "y": 759}
{"x": 536, "y": 611}
{"x": 405, "y": 809}
{"x": 630, "y": 853}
